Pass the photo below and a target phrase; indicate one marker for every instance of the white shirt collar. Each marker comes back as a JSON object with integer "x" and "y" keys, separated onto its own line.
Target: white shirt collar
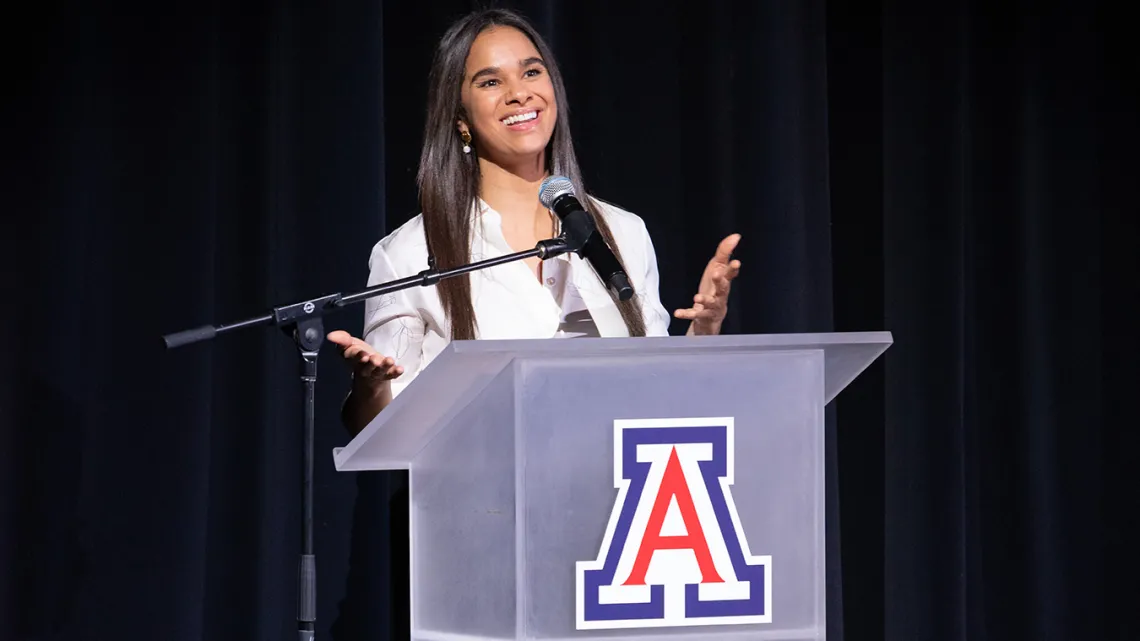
{"x": 602, "y": 308}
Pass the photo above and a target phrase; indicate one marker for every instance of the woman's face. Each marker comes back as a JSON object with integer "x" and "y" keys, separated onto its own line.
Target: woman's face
{"x": 508, "y": 97}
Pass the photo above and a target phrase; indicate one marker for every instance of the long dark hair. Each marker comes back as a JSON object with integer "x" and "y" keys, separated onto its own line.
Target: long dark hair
{"x": 448, "y": 179}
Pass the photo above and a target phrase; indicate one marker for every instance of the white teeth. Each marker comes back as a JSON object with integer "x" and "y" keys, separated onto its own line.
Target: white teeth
{"x": 514, "y": 120}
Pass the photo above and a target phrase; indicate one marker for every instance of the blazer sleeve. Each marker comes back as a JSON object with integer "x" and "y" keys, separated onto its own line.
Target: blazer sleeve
{"x": 657, "y": 318}
{"x": 393, "y": 325}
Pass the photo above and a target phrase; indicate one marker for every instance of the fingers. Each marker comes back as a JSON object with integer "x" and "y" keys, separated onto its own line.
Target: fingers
{"x": 704, "y": 301}
{"x": 367, "y": 364}
{"x": 694, "y": 313}
{"x": 711, "y": 301}
{"x": 718, "y": 277}
{"x": 728, "y": 271}
{"x": 341, "y": 338}
{"x": 365, "y": 361}
{"x": 704, "y": 307}
{"x": 358, "y": 350}
{"x": 720, "y": 286}
{"x": 378, "y": 367}
{"x": 350, "y": 346}
{"x": 725, "y": 248}
{"x": 733, "y": 270}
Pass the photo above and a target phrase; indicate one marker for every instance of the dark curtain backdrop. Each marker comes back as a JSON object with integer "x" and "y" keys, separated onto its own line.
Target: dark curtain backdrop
{"x": 961, "y": 175}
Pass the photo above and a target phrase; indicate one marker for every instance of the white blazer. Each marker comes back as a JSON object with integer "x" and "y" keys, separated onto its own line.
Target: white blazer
{"x": 509, "y": 302}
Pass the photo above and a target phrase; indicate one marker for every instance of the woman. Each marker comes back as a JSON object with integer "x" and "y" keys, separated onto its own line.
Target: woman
{"x": 497, "y": 126}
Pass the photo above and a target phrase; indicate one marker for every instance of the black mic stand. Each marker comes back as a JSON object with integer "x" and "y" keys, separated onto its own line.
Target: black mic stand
{"x": 304, "y": 322}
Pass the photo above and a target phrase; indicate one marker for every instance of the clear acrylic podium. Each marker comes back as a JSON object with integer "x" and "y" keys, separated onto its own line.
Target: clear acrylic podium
{"x": 633, "y": 488}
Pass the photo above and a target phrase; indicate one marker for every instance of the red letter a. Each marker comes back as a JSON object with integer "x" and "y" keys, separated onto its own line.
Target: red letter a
{"x": 673, "y": 484}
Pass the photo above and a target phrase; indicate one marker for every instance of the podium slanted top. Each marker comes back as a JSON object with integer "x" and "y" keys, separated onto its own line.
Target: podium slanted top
{"x": 464, "y": 369}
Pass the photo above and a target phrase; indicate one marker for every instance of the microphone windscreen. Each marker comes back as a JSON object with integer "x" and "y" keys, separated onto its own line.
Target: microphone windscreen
{"x": 552, "y": 188}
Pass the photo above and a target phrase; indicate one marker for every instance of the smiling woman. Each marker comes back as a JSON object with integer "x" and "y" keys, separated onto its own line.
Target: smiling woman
{"x": 496, "y": 128}
{"x": 513, "y": 128}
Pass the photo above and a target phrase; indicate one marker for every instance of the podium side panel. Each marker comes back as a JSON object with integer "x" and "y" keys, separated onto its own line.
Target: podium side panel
{"x": 748, "y": 434}
{"x": 462, "y": 490}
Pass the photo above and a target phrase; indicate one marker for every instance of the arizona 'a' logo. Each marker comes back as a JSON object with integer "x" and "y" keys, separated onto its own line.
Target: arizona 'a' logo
{"x": 674, "y": 552}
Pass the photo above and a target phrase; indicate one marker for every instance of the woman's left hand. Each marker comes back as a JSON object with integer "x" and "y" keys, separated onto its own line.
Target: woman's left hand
{"x": 710, "y": 305}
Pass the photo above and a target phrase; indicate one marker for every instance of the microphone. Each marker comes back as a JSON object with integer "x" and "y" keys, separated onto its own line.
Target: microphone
{"x": 557, "y": 195}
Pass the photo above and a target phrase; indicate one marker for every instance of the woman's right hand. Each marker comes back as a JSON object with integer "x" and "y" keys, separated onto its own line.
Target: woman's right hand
{"x": 368, "y": 366}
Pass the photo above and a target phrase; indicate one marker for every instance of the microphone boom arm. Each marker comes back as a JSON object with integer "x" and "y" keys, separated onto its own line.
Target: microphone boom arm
{"x": 303, "y": 321}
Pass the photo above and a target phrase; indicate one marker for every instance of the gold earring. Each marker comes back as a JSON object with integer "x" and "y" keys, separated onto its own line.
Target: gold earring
{"x": 466, "y": 136}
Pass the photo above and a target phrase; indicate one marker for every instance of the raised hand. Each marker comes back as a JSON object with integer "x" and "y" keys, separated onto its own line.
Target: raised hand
{"x": 710, "y": 304}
